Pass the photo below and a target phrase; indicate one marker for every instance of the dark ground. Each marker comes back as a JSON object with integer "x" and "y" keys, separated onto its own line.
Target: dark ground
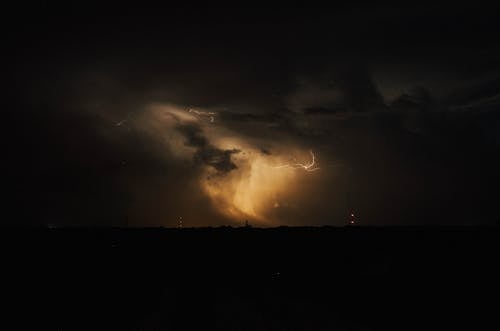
{"x": 399, "y": 278}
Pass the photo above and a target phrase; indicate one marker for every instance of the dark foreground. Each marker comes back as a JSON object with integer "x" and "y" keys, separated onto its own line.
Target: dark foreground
{"x": 251, "y": 279}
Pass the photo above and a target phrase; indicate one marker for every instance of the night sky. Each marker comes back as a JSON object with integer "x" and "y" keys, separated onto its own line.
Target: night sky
{"x": 279, "y": 116}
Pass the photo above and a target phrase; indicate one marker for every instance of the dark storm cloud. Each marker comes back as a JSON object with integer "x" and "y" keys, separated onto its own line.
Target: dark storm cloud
{"x": 194, "y": 135}
{"x": 338, "y": 90}
{"x": 359, "y": 91}
{"x": 305, "y": 78}
{"x": 206, "y": 153}
{"x": 477, "y": 93}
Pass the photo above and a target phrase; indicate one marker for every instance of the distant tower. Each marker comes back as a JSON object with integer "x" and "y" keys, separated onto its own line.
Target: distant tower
{"x": 351, "y": 220}
{"x": 179, "y": 225}
{"x": 246, "y": 224}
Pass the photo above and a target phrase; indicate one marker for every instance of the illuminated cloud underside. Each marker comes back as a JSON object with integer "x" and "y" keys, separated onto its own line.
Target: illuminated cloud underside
{"x": 241, "y": 181}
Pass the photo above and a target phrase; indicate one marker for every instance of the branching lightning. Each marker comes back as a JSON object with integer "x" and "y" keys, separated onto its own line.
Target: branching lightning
{"x": 309, "y": 167}
{"x": 123, "y": 121}
{"x": 120, "y": 123}
{"x": 209, "y": 114}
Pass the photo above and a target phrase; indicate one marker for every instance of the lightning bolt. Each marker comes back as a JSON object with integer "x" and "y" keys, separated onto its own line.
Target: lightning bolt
{"x": 309, "y": 167}
{"x": 123, "y": 121}
{"x": 120, "y": 123}
{"x": 209, "y": 114}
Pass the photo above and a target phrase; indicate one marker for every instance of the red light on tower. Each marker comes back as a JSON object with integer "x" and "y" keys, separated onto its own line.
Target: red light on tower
{"x": 352, "y": 219}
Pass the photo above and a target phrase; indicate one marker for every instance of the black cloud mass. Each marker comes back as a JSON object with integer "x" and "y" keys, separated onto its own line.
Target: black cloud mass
{"x": 400, "y": 105}
{"x": 205, "y": 153}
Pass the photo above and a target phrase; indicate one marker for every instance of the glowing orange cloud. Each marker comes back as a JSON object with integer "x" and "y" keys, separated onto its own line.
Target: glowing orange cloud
{"x": 257, "y": 188}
